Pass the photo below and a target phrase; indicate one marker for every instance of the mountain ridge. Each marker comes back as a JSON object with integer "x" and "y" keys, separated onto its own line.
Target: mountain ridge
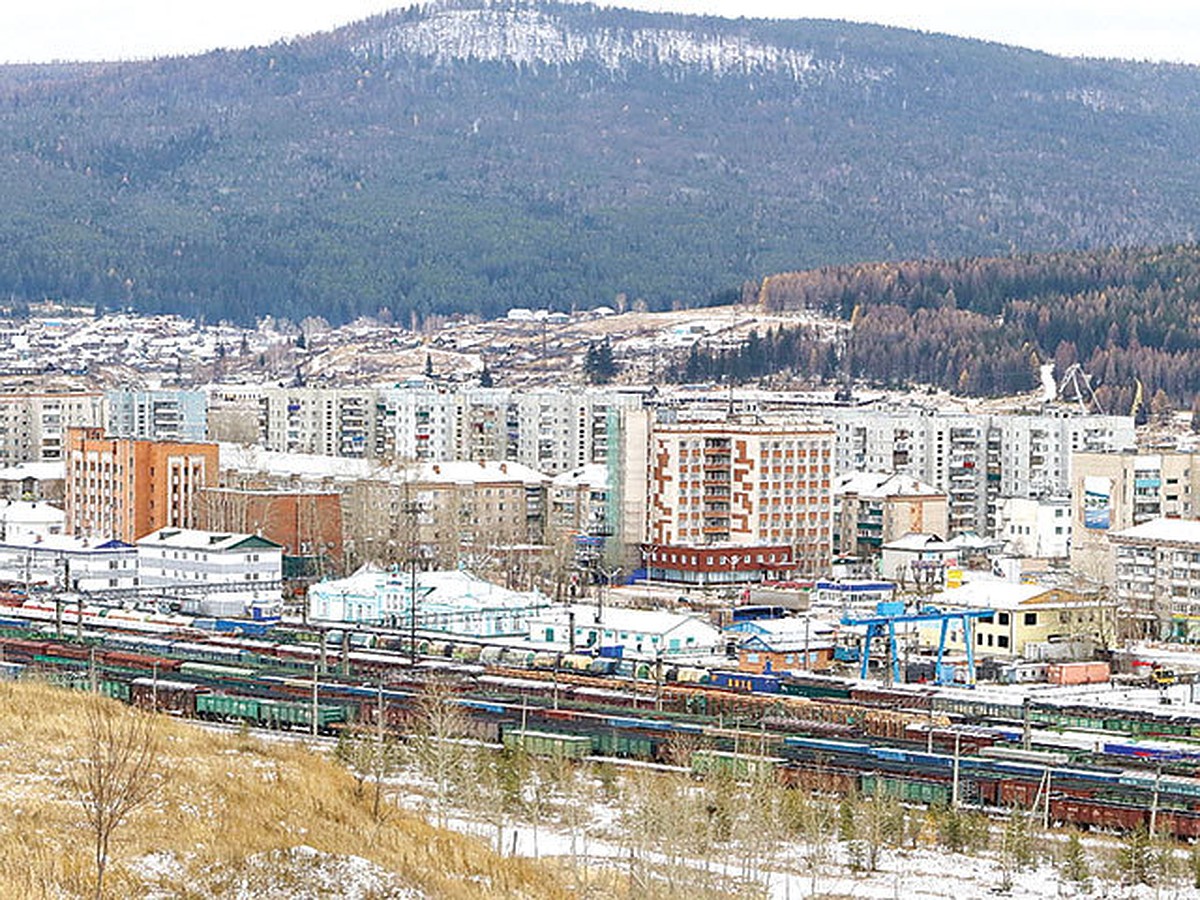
{"x": 474, "y": 156}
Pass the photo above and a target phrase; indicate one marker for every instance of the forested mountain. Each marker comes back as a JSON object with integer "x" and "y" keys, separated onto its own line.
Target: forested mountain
{"x": 476, "y": 156}
{"x": 983, "y": 325}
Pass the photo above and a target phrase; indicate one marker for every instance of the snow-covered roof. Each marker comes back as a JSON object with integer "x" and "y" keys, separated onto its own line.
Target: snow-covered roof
{"x": 879, "y": 485}
{"x": 62, "y": 543}
{"x": 969, "y": 540}
{"x": 38, "y": 471}
{"x": 915, "y": 541}
{"x": 483, "y": 472}
{"x": 208, "y": 541}
{"x": 1178, "y": 531}
{"x": 985, "y": 593}
{"x": 787, "y": 633}
{"x": 303, "y": 465}
{"x": 310, "y": 465}
{"x": 26, "y": 511}
{"x": 451, "y": 589}
{"x": 619, "y": 618}
{"x": 592, "y": 475}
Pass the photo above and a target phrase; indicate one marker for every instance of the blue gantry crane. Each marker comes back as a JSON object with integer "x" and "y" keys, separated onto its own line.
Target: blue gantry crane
{"x": 889, "y": 615}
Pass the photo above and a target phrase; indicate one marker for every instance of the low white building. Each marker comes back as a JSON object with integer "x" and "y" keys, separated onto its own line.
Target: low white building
{"x": 452, "y": 602}
{"x": 28, "y": 520}
{"x": 637, "y": 632}
{"x": 1037, "y": 528}
{"x": 68, "y": 563}
{"x": 918, "y": 558}
{"x": 212, "y": 573}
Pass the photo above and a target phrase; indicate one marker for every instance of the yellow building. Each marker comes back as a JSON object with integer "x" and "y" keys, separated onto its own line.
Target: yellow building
{"x": 1028, "y": 619}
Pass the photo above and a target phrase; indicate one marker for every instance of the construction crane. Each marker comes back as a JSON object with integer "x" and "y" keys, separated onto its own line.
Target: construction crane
{"x": 1076, "y": 385}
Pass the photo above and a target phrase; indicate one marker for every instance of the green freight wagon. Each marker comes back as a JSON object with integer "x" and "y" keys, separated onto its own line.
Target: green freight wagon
{"x": 118, "y": 690}
{"x": 223, "y": 706}
{"x": 737, "y": 765}
{"x": 288, "y": 714}
{"x": 615, "y": 743}
{"x": 910, "y": 790}
{"x": 216, "y": 671}
{"x": 542, "y": 743}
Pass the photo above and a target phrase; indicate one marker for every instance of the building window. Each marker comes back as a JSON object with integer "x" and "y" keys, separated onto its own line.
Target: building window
{"x": 1031, "y": 618}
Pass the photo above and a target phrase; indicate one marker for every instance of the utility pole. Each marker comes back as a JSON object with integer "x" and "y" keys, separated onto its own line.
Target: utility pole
{"x": 79, "y": 618}
{"x": 954, "y": 788}
{"x": 314, "y": 701}
{"x": 658, "y": 680}
{"x": 1154, "y": 803}
{"x": 345, "y": 651}
{"x": 1025, "y": 735}
{"x": 379, "y": 716}
{"x": 412, "y": 609}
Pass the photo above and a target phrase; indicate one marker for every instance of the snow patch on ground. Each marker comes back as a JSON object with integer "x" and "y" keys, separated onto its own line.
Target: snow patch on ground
{"x": 297, "y": 873}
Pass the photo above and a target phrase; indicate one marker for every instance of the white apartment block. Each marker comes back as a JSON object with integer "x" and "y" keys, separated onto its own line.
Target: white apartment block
{"x": 163, "y": 415}
{"x": 1157, "y": 578}
{"x": 324, "y": 421}
{"x": 58, "y": 562}
{"x": 33, "y": 426}
{"x": 1035, "y": 528}
{"x": 551, "y": 431}
{"x": 976, "y": 459}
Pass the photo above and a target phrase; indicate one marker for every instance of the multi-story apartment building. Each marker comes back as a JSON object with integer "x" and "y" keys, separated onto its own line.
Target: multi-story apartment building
{"x": 551, "y": 431}
{"x": 742, "y": 484}
{"x": 325, "y": 421}
{"x": 123, "y": 488}
{"x": 416, "y": 422}
{"x": 477, "y": 508}
{"x": 871, "y": 509}
{"x": 1111, "y": 492}
{"x": 1157, "y": 578}
{"x": 33, "y": 426}
{"x": 976, "y": 459}
{"x": 165, "y": 415}
{"x": 234, "y": 411}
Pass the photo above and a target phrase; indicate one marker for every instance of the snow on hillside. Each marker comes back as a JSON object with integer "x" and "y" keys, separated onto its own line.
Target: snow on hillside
{"x": 531, "y": 37}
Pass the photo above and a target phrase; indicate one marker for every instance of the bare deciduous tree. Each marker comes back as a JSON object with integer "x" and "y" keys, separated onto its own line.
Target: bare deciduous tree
{"x": 117, "y": 774}
{"x": 441, "y": 725}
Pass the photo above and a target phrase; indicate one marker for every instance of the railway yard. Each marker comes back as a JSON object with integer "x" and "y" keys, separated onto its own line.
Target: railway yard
{"x": 1097, "y": 759}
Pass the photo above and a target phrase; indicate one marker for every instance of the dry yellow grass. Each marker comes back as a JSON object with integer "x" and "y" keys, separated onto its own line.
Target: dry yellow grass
{"x": 231, "y": 812}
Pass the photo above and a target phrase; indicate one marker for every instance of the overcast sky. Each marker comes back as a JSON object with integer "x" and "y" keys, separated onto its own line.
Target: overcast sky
{"x": 45, "y": 30}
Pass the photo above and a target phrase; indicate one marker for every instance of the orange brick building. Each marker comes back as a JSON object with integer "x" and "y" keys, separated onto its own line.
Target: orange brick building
{"x": 307, "y": 523}
{"x": 742, "y": 484}
{"x": 125, "y": 488}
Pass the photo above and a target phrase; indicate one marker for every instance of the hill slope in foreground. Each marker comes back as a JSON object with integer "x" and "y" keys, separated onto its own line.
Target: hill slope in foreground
{"x": 235, "y": 816}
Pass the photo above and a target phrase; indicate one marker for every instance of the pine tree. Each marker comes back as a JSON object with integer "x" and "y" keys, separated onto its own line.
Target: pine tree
{"x": 598, "y": 365}
{"x": 1074, "y": 865}
{"x": 1135, "y": 859}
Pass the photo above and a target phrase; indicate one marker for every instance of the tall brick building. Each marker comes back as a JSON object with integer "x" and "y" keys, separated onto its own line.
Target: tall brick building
{"x": 124, "y": 488}
{"x": 742, "y": 485}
